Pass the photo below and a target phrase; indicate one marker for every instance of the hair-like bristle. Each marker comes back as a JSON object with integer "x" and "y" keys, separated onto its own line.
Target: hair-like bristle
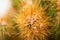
{"x": 32, "y": 22}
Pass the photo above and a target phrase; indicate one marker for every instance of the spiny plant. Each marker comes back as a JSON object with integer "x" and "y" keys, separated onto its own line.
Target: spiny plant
{"x": 32, "y": 20}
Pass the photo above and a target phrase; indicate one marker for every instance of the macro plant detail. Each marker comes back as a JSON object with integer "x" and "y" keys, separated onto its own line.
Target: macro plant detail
{"x": 31, "y": 20}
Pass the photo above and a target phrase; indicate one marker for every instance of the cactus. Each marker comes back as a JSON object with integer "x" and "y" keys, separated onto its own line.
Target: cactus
{"x": 32, "y": 20}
